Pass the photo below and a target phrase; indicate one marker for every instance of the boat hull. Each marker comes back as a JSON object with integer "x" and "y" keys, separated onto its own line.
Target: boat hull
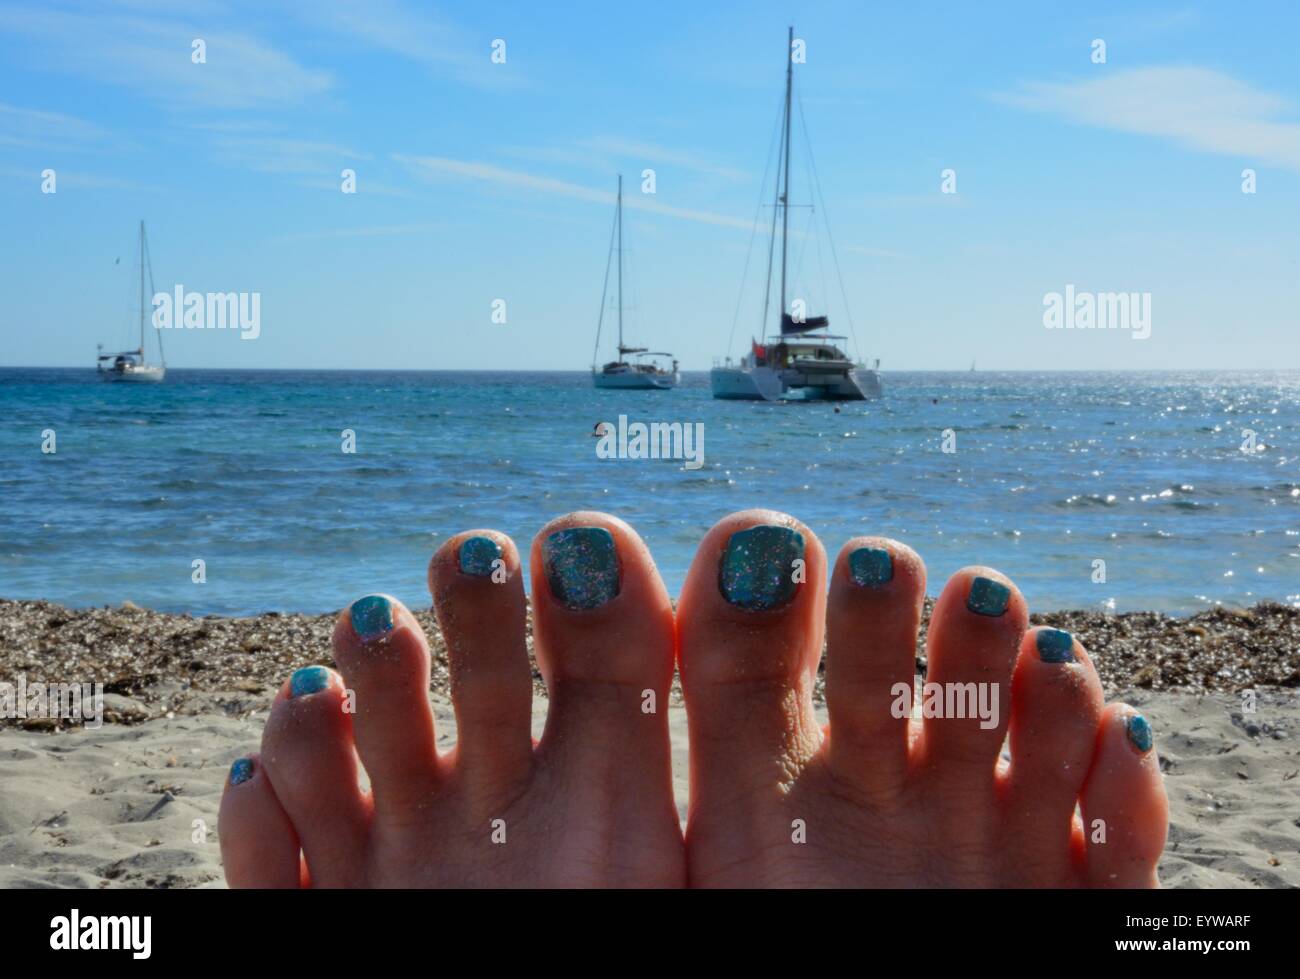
{"x": 636, "y": 381}
{"x": 769, "y": 384}
{"x": 140, "y": 375}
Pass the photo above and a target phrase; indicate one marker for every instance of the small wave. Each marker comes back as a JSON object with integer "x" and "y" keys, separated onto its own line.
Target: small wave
{"x": 1091, "y": 499}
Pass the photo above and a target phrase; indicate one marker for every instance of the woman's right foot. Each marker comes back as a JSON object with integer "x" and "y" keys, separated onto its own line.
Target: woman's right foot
{"x": 878, "y": 799}
{"x": 590, "y": 805}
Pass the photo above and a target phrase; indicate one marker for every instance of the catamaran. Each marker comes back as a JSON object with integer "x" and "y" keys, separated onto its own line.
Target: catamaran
{"x": 130, "y": 365}
{"x": 635, "y": 367}
{"x": 803, "y": 361}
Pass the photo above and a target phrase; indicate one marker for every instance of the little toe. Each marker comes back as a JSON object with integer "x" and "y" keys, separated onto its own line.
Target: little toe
{"x": 259, "y": 846}
{"x": 1125, "y": 810}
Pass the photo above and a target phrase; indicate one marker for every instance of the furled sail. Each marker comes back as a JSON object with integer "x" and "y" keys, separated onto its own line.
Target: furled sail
{"x": 789, "y": 326}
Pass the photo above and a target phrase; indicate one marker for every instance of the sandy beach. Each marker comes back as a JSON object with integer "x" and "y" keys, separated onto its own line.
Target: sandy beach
{"x": 134, "y": 802}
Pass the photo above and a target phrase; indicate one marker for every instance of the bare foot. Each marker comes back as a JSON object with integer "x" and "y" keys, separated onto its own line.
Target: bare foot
{"x": 877, "y": 799}
{"x": 589, "y": 805}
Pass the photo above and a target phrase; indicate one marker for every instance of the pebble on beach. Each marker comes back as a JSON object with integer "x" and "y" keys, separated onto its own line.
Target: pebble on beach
{"x": 152, "y": 663}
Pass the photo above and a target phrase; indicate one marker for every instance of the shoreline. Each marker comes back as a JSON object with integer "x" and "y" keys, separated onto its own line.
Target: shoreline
{"x": 155, "y": 664}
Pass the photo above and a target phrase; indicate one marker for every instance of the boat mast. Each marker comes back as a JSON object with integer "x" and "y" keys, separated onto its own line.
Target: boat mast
{"x": 620, "y": 266}
{"x": 148, "y": 261}
{"x": 142, "y": 291}
{"x": 785, "y": 197}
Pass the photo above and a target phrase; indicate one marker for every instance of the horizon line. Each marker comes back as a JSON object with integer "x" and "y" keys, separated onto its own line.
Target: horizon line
{"x": 698, "y": 370}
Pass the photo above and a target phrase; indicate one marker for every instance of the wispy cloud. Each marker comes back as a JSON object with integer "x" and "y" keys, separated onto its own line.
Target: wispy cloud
{"x": 152, "y": 56}
{"x": 411, "y": 33}
{"x": 606, "y": 154}
{"x": 282, "y": 154}
{"x": 74, "y": 179}
{"x": 1199, "y": 108}
{"x": 442, "y": 168}
{"x": 37, "y": 129}
{"x": 659, "y": 155}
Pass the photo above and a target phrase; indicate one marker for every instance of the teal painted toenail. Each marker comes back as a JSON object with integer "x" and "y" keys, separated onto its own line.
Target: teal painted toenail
{"x": 308, "y": 680}
{"x": 988, "y": 597}
{"x": 478, "y": 555}
{"x": 1139, "y": 732}
{"x": 372, "y": 617}
{"x": 1055, "y": 646}
{"x": 241, "y": 771}
{"x": 761, "y": 567}
{"x": 581, "y": 566}
{"x": 871, "y": 567}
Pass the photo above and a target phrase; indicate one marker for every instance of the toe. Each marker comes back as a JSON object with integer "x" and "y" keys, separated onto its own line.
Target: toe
{"x": 310, "y": 759}
{"x": 975, "y": 632}
{"x": 603, "y": 616}
{"x": 1056, "y": 705}
{"x": 872, "y": 617}
{"x": 383, "y": 655}
{"x": 750, "y": 623}
{"x": 1125, "y": 811}
{"x": 603, "y": 637}
{"x": 259, "y": 847}
{"x": 478, "y": 593}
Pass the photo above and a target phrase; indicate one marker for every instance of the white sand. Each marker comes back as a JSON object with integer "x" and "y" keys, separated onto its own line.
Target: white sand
{"x": 74, "y": 807}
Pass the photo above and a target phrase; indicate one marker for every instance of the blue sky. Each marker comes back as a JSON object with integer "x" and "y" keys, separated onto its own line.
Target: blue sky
{"x": 479, "y": 181}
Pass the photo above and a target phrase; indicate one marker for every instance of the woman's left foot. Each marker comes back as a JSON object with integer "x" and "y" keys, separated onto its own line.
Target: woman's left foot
{"x": 591, "y": 804}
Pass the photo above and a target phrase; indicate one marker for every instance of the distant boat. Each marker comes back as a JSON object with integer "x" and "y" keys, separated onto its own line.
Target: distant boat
{"x": 972, "y": 366}
{"x": 635, "y": 367}
{"x": 130, "y": 365}
{"x": 799, "y": 362}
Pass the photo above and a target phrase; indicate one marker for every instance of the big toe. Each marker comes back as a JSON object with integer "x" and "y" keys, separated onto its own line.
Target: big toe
{"x": 603, "y": 637}
{"x": 750, "y": 624}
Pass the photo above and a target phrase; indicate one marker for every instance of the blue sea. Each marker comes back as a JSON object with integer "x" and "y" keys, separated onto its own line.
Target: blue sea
{"x": 1051, "y": 473}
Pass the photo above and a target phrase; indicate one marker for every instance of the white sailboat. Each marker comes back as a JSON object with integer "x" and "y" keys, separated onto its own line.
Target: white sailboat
{"x": 802, "y": 361}
{"x": 130, "y": 365}
{"x": 635, "y": 367}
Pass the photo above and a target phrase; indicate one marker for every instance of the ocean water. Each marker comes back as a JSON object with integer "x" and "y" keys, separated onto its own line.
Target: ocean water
{"x": 1052, "y": 473}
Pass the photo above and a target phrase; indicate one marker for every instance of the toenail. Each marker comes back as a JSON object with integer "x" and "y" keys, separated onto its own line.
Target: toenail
{"x": 581, "y": 566}
{"x": 1139, "y": 732}
{"x": 988, "y": 597}
{"x": 308, "y": 680}
{"x": 761, "y": 567}
{"x": 241, "y": 771}
{"x": 372, "y": 617}
{"x": 478, "y": 556}
{"x": 1055, "y": 646}
{"x": 871, "y": 567}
